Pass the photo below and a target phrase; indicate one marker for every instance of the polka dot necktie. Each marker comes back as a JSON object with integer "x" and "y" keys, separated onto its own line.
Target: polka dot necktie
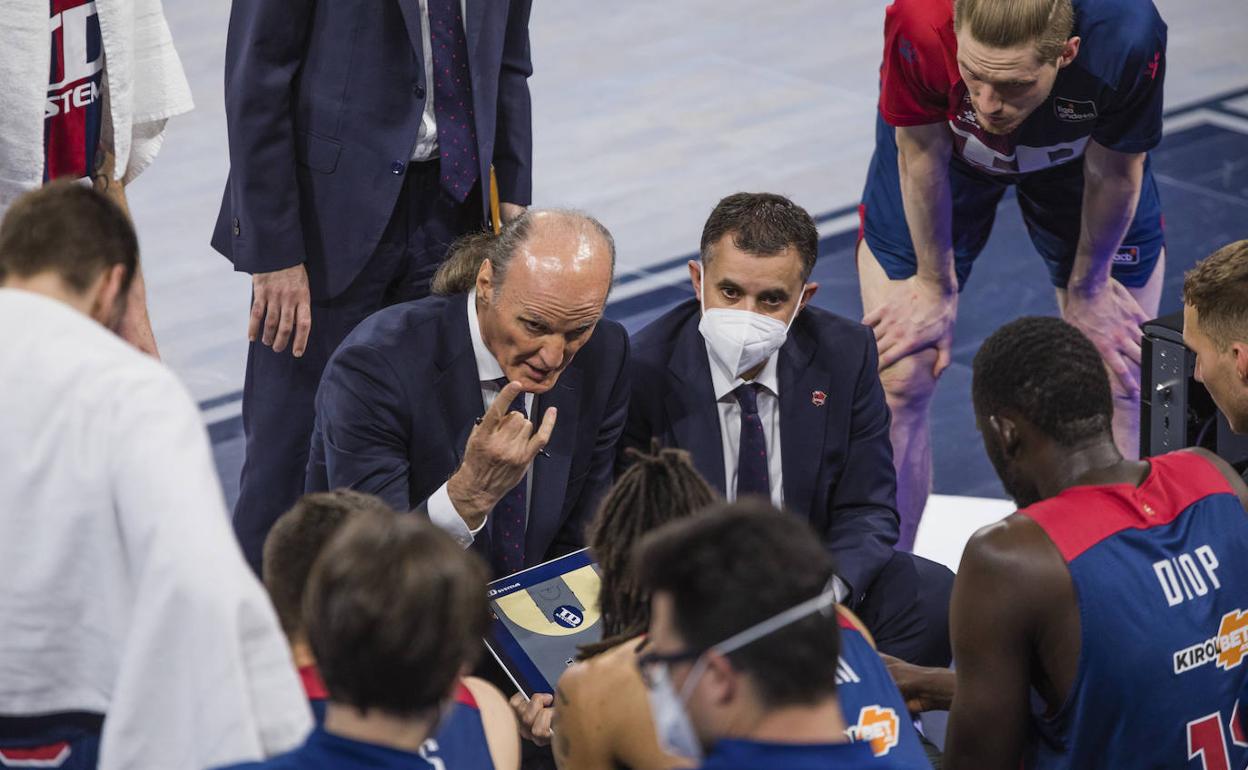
{"x": 452, "y": 98}
{"x": 753, "y": 477}
{"x": 509, "y": 515}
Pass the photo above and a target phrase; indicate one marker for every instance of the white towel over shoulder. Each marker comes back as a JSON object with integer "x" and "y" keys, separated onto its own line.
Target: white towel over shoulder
{"x": 143, "y": 77}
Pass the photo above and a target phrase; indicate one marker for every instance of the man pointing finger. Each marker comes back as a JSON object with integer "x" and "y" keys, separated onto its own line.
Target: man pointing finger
{"x": 494, "y": 406}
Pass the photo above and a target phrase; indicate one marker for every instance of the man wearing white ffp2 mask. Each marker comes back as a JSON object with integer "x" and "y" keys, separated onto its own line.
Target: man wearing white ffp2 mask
{"x": 776, "y": 398}
{"x": 742, "y": 650}
{"x": 741, "y": 340}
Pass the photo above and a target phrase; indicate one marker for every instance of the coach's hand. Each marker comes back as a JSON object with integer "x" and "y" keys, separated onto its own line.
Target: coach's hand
{"x": 281, "y": 304}
{"x": 923, "y": 688}
{"x": 497, "y": 455}
{"x": 534, "y": 716}
{"x": 1110, "y": 317}
{"x": 918, "y": 314}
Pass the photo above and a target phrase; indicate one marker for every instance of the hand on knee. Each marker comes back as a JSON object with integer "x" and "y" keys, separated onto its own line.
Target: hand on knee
{"x": 909, "y": 383}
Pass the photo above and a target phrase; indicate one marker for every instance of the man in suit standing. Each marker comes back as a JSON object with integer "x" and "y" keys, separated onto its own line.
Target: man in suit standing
{"x": 427, "y": 404}
{"x": 362, "y": 135}
{"x": 782, "y": 400}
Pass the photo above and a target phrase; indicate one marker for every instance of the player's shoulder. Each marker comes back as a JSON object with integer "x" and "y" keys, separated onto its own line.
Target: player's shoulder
{"x": 1118, "y": 37}
{"x": 922, "y": 19}
{"x": 497, "y": 719}
{"x": 482, "y": 696}
{"x": 1015, "y": 549}
{"x": 1210, "y": 471}
{"x": 598, "y": 677}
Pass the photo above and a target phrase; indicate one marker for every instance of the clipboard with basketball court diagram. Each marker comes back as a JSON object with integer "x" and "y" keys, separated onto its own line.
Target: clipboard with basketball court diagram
{"x": 540, "y": 616}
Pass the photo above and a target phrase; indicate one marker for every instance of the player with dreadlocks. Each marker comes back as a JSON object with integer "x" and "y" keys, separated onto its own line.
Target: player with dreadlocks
{"x": 602, "y": 716}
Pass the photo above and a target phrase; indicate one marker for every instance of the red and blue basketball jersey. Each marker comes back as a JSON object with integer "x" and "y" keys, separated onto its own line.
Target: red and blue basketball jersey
{"x": 873, "y": 707}
{"x": 459, "y": 742}
{"x": 1161, "y": 578}
{"x": 1111, "y": 92}
{"x": 74, "y": 109}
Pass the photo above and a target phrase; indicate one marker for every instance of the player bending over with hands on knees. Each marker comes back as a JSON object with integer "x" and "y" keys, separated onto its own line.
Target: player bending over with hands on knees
{"x": 1116, "y": 593}
{"x": 1061, "y": 98}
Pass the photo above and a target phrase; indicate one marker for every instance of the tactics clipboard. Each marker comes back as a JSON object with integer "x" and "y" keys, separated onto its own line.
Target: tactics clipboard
{"x": 540, "y": 616}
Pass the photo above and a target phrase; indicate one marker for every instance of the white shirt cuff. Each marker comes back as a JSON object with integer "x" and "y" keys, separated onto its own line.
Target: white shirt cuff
{"x": 839, "y": 589}
{"x": 443, "y": 514}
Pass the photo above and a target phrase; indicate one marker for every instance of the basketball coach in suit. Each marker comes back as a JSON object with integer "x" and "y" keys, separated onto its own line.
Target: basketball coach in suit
{"x": 780, "y": 399}
{"x": 495, "y": 410}
{"x": 361, "y": 136}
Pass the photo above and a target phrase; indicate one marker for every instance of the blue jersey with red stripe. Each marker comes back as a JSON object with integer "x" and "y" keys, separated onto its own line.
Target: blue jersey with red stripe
{"x": 874, "y": 709}
{"x": 459, "y": 742}
{"x": 74, "y": 110}
{"x": 1161, "y": 579}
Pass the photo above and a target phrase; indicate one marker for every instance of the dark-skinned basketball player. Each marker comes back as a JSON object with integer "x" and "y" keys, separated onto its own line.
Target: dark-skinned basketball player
{"x": 1118, "y": 594}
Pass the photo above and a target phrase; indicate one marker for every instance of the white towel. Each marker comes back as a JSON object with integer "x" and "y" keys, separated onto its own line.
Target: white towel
{"x": 144, "y": 80}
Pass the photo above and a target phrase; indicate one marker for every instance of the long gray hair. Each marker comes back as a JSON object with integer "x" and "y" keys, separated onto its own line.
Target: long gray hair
{"x": 458, "y": 274}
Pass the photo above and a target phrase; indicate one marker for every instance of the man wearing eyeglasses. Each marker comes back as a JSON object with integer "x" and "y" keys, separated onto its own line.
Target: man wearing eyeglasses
{"x": 744, "y": 661}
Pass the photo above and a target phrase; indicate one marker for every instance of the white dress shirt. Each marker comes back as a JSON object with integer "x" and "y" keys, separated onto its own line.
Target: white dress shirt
{"x": 724, "y": 383}
{"x": 441, "y": 511}
{"x": 427, "y": 136}
{"x": 122, "y": 588}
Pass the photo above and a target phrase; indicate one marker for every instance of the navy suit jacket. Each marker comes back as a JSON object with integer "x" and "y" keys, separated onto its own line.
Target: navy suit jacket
{"x": 323, "y": 103}
{"x": 837, "y": 458}
{"x": 401, "y": 394}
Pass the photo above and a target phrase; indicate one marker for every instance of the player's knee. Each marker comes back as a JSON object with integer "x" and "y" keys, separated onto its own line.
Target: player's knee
{"x": 909, "y": 383}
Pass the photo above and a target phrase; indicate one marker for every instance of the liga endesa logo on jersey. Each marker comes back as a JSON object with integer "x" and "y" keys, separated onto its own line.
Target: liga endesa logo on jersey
{"x": 878, "y": 726}
{"x": 1227, "y": 649}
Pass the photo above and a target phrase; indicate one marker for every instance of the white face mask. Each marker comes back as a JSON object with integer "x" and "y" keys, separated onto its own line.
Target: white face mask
{"x": 671, "y": 721}
{"x": 741, "y": 339}
{"x": 672, "y": 725}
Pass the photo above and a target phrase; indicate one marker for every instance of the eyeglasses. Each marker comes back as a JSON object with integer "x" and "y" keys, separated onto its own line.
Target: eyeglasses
{"x": 656, "y": 667}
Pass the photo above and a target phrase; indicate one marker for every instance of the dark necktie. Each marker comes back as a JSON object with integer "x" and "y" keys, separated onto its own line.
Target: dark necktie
{"x": 452, "y": 98}
{"x": 753, "y": 477}
{"x": 508, "y": 517}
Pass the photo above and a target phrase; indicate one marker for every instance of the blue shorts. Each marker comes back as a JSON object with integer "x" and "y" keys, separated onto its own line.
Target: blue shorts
{"x": 1051, "y": 202}
{"x": 68, "y": 741}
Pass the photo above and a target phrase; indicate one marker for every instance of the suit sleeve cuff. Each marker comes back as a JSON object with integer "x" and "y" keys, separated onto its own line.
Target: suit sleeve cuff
{"x": 443, "y": 514}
